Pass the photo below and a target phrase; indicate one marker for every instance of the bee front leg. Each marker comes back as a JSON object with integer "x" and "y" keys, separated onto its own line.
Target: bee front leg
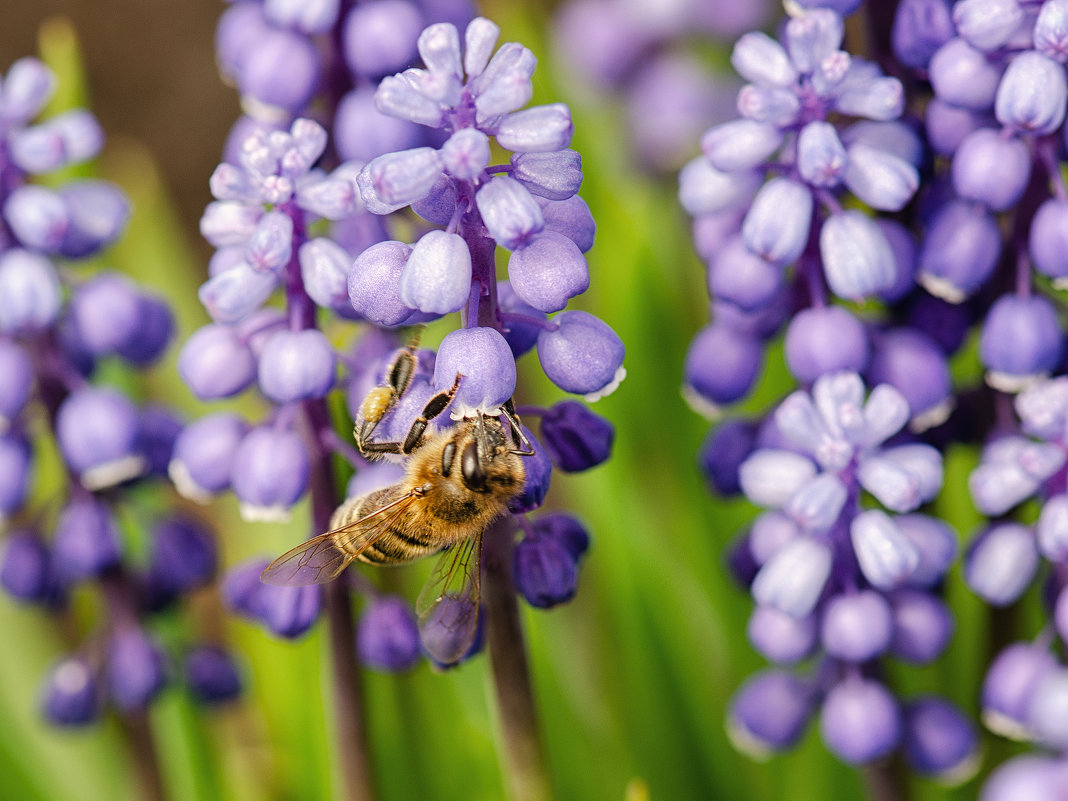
{"x": 383, "y": 398}
{"x": 435, "y": 406}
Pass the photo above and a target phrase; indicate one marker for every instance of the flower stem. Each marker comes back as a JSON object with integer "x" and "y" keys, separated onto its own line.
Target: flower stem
{"x": 885, "y": 781}
{"x": 524, "y": 758}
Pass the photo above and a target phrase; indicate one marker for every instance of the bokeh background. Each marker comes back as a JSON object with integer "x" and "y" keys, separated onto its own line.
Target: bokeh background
{"x": 632, "y": 677}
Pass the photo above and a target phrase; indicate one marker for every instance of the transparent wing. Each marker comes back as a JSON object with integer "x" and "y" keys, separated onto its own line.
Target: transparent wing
{"x": 448, "y": 604}
{"x": 323, "y": 558}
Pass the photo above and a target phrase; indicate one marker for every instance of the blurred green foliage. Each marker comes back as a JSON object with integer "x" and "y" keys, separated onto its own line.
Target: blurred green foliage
{"x": 632, "y": 678}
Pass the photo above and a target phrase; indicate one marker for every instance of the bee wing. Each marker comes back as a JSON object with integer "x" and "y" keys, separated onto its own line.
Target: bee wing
{"x": 448, "y": 603}
{"x": 323, "y": 558}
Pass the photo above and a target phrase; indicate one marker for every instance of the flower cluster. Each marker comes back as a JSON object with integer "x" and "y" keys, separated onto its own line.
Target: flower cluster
{"x": 645, "y": 54}
{"x": 57, "y": 324}
{"x": 847, "y": 586}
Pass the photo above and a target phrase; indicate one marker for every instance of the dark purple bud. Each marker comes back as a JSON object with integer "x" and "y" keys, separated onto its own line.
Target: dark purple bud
{"x": 269, "y": 473}
{"x": 15, "y": 389}
{"x": 86, "y": 535}
{"x": 439, "y": 205}
{"x": 520, "y": 335}
{"x": 860, "y": 721}
{"x": 216, "y": 363}
{"x": 923, "y": 626}
{"x": 582, "y": 355}
{"x": 539, "y": 468}
{"x": 940, "y": 740}
{"x": 920, "y": 28}
{"x": 739, "y": 276}
{"x": 769, "y": 713}
{"x": 281, "y": 68}
{"x": 782, "y": 638}
{"x": 959, "y": 253}
{"x": 362, "y": 132}
{"x": 724, "y": 449}
{"x": 545, "y": 573}
{"x": 98, "y": 430}
{"x": 564, "y": 530}
{"x": 445, "y": 632}
{"x": 576, "y": 438}
{"x": 912, "y": 363}
{"x": 26, "y": 568}
{"x": 182, "y": 556}
{"x": 157, "y": 431}
{"x": 387, "y": 636}
{"x": 211, "y": 675}
{"x": 69, "y": 694}
{"x": 572, "y": 218}
{"x": 97, "y": 212}
{"x": 155, "y": 325}
{"x": 823, "y": 340}
{"x": 136, "y": 670}
{"x": 16, "y": 459}
{"x": 947, "y": 125}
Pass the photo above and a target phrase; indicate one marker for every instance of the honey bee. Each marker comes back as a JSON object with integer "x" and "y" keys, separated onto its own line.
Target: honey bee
{"x": 457, "y": 481}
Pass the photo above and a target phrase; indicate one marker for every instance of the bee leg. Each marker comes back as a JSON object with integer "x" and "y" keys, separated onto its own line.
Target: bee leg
{"x": 435, "y": 406}
{"x": 518, "y": 437}
{"x": 383, "y": 398}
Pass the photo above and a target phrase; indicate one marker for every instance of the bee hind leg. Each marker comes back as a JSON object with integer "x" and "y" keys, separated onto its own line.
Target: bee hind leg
{"x": 383, "y": 398}
{"x": 435, "y": 406}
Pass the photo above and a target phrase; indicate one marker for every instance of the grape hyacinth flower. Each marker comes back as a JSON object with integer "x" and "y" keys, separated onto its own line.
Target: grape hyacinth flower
{"x": 843, "y": 587}
{"x": 67, "y": 331}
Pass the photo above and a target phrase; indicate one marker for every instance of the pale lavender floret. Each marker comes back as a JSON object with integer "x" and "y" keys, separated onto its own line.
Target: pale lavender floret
{"x": 1051, "y": 30}
{"x": 793, "y": 578}
{"x": 936, "y": 544}
{"x": 30, "y": 294}
{"x": 106, "y": 312}
{"x": 548, "y": 271}
{"x": 397, "y": 96}
{"x": 215, "y": 363}
{"x": 964, "y": 76}
{"x": 739, "y": 276}
{"x": 307, "y": 16}
{"x": 270, "y": 473}
{"x": 380, "y": 38}
{"x": 479, "y": 41}
{"x": 226, "y": 222}
{"x": 324, "y": 271}
{"x": 740, "y": 144}
{"x": 15, "y": 469}
{"x": 959, "y": 252}
{"x": 269, "y": 247}
{"x": 991, "y": 168}
{"x": 1009, "y": 686}
{"x": 813, "y": 36}
{"x": 886, "y": 413}
{"x": 135, "y": 668}
{"x": 570, "y": 217}
{"x": 903, "y": 244}
{"x": 821, "y": 156}
{"x": 1047, "y": 715}
{"x": 395, "y": 180}
{"x": 940, "y": 740}
{"x": 283, "y": 70}
{"x": 769, "y": 533}
{"x": 871, "y": 96}
{"x": 1051, "y": 530}
{"x": 1032, "y": 94}
{"x": 816, "y": 506}
{"x": 825, "y": 339}
{"x": 923, "y": 626}
{"x": 860, "y": 720}
{"x": 510, "y": 213}
{"x": 1001, "y": 562}
{"x": 912, "y": 362}
{"x": 504, "y": 85}
{"x": 87, "y": 536}
{"x": 362, "y": 132}
{"x": 296, "y": 365}
{"x": 904, "y": 477}
{"x": 1043, "y": 408}
{"x": 705, "y": 190}
{"x": 779, "y": 637}
{"x": 777, "y": 223}
{"x": 374, "y": 283}
{"x": 856, "y": 627}
{"x": 485, "y": 362}
{"x": 887, "y": 557}
{"x": 37, "y": 217}
{"x": 439, "y": 48}
{"x": 1001, "y": 480}
{"x": 203, "y": 455}
{"x": 334, "y": 197}
{"x": 98, "y": 435}
{"x": 582, "y": 354}
{"x": 857, "y": 259}
{"x": 437, "y": 275}
{"x": 771, "y": 477}
{"x": 774, "y": 105}
{"x": 466, "y": 154}
{"x": 97, "y": 212}
{"x": 880, "y": 178}
{"x": 554, "y": 176}
{"x": 761, "y": 60}
{"x": 439, "y": 205}
{"x": 1026, "y": 776}
{"x": 891, "y": 136}
{"x": 235, "y": 293}
{"x": 946, "y": 125}
{"x": 27, "y": 86}
{"x": 987, "y": 24}
{"x": 538, "y": 129}
{"x": 1021, "y": 340}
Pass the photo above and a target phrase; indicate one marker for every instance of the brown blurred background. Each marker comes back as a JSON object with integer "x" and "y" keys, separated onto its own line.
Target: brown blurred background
{"x": 152, "y": 77}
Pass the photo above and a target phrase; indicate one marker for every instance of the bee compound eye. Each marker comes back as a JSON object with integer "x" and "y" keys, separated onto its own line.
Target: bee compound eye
{"x": 474, "y": 476}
